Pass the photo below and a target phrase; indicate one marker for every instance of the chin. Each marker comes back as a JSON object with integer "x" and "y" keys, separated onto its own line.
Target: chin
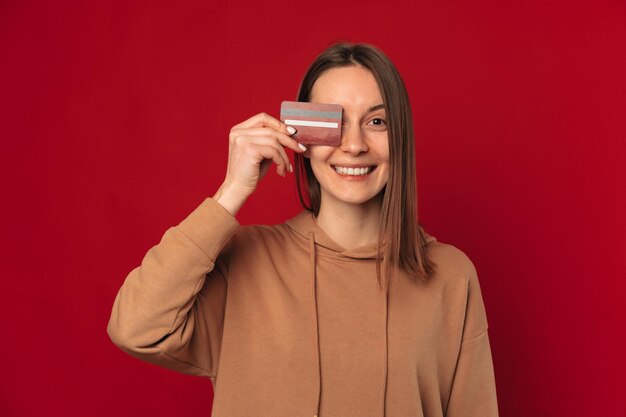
{"x": 358, "y": 198}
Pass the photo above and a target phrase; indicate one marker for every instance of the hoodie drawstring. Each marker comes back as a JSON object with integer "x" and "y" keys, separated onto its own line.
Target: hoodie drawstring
{"x": 383, "y": 398}
{"x": 311, "y": 237}
{"x": 315, "y": 322}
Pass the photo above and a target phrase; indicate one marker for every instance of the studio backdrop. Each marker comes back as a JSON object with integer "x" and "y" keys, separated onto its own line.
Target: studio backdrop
{"x": 114, "y": 124}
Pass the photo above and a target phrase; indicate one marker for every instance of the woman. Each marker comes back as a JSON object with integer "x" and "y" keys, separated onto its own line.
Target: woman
{"x": 347, "y": 309}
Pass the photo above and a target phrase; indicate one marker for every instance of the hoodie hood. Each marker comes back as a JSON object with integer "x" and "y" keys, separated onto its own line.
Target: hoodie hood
{"x": 305, "y": 225}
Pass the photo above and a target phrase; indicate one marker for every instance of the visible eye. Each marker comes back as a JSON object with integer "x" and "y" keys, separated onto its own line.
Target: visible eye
{"x": 378, "y": 121}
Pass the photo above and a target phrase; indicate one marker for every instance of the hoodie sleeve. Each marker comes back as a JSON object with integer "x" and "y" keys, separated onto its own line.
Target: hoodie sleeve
{"x": 474, "y": 389}
{"x": 170, "y": 309}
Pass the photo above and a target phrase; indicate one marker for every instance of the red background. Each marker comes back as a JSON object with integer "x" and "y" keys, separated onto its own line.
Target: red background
{"x": 114, "y": 124}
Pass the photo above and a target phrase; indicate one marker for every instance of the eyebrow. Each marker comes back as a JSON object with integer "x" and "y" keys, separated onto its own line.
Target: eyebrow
{"x": 376, "y": 107}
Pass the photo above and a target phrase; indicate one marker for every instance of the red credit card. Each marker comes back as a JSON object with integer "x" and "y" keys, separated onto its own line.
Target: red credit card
{"x": 317, "y": 124}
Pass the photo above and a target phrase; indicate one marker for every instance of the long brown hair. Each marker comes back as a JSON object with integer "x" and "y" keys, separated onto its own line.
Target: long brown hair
{"x": 402, "y": 240}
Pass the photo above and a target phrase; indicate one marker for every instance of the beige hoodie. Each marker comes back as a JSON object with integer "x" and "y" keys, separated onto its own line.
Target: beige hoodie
{"x": 287, "y": 323}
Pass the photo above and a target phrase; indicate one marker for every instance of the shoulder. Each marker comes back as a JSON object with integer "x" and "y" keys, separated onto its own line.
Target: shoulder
{"x": 282, "y": 235}
{"x": 451, "y": 263}
{"x": 457, "y": 280}
{"x": 453, "y": 268}
{"x": 260, "y": 236}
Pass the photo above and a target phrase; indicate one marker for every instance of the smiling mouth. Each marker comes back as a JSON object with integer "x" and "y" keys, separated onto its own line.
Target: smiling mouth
{"x": 354, "y": 171}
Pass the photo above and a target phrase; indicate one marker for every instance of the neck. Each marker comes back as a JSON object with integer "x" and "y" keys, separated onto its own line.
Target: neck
{"x": 351, "y": 225}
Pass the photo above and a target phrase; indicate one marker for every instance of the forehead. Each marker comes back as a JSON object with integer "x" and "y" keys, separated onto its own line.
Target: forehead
{"x": 353, "y": 87}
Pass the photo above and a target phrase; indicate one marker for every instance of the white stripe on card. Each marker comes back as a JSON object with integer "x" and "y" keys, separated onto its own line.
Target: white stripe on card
{"x": 311, "y": 123}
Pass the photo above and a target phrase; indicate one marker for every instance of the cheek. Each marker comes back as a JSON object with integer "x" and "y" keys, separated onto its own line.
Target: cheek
{"x": 318, "y": 155}
{"x": 379, "y": 146}
{"x": 317, "y": 166}
{"x": 384, "y": 149}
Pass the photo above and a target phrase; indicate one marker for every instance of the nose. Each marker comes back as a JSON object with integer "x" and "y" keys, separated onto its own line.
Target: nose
{"x": 352, "y": 140}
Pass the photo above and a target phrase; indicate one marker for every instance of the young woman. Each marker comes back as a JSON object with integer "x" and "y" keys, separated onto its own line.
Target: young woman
{"x": 348, "y": 309}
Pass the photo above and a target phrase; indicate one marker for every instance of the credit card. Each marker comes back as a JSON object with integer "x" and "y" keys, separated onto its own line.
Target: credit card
{"x": 317, "y": 124}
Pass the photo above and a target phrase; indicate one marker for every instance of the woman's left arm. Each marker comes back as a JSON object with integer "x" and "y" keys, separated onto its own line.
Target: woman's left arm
{"x": 473, "y": 391}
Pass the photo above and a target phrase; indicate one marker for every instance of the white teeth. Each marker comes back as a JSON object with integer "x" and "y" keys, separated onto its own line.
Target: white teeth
{"x": 352, "y": 171}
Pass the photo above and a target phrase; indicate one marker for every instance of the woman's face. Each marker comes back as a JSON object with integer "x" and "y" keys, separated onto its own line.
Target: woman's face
{"x": 356, "y": 171}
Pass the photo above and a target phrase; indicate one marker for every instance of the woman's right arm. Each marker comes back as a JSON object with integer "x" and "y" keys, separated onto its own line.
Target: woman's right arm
{"x": 170, "y": 309}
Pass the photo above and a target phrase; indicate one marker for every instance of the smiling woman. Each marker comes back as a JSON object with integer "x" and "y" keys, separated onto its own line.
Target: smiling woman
{"x": 300, "y": 318}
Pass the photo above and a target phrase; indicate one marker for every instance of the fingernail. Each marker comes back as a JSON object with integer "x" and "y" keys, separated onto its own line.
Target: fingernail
{"x": 290, "y": 168}
{"x": 301, "y": 146}
{"x": 291, "y": 129}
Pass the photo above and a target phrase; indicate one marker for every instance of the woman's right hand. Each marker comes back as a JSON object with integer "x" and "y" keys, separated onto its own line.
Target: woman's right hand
{"x": 253, "y": 145}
